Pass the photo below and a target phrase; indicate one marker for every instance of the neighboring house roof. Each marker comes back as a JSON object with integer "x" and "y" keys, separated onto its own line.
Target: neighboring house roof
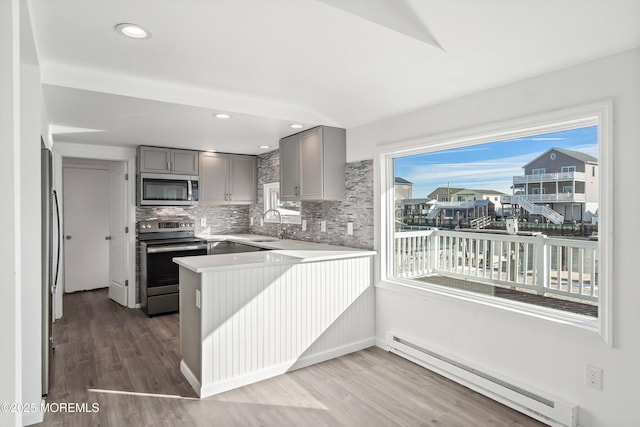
{"x": 402, "y": 181}
{"x": 440, "y": 190}
{"x": 472, "y": 190}
{"x": 575, "y": 154}
{"x": 578, "y": 155}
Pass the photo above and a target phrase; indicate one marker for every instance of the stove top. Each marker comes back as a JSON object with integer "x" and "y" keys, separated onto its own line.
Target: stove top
{"x": 173, "y": 241}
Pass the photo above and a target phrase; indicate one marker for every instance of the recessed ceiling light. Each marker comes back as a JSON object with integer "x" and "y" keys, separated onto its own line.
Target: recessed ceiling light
{"x": 264, "y": 146}
{"x": 211, "y": 151}
{"x": 296, "y": 126}
{"x": 133, "y": 31}
{"x": 223, "y": 116}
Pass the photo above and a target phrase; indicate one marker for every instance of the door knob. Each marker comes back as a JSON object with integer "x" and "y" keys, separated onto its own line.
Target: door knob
{"x": 107, "y": 238}
{"x": 67, "y": 237}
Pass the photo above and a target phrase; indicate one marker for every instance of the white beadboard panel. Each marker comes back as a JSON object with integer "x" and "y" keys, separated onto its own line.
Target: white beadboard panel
{"x": 258, "y": 322}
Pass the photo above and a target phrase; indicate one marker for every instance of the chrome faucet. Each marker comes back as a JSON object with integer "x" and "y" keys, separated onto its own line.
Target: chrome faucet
{"x": 280, "y": 231}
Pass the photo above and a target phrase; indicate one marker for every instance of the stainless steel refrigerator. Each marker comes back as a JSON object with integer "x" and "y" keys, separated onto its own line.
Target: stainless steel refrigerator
{"x": 50, "y": 211}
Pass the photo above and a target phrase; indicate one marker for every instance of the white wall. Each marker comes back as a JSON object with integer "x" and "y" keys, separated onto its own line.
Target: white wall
{"x": 548, "y": 357}
{"x": 30, "y": 236}
{"x": 10, "y": 336}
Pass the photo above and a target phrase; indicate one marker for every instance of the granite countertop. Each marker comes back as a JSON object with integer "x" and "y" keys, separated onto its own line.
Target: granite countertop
{"x": 281, "y": 251}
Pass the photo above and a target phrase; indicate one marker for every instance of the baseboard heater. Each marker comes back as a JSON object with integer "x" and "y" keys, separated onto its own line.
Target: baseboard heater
{"x": 545, "y": 409}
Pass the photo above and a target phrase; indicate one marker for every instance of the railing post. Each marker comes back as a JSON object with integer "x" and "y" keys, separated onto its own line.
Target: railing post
{"x": 542, "y": 259}
{"x": 434, "y": 247}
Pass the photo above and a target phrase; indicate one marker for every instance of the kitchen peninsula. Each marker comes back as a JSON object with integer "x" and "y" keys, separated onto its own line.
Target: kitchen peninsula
{"x": 246, "y": 317}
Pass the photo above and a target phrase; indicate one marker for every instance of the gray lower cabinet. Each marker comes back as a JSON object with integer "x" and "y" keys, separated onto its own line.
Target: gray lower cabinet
{"x": 227, "y": 179}
{"x": 312, "y": 164}
{"x": 167, "y": 160}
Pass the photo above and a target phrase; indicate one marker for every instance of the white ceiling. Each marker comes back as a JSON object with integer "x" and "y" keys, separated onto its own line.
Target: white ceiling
{"x": 271, "y": 63}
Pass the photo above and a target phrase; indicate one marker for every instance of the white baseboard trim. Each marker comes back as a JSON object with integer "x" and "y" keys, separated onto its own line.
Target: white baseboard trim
{"x": 191, "y": 378}
{"x": 206, "y": 390}
{"x": 36, "y": 417}
{"x": 240, "y": 381}
{"x": 332, "y": 353}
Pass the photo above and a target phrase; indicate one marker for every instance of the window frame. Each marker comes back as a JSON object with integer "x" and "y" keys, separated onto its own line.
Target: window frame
{"x": 271, "y": 219}
{"x": 600, "y": 114}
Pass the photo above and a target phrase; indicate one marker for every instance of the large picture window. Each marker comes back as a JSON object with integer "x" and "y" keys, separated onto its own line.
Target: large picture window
{"x": 511, "y": 219}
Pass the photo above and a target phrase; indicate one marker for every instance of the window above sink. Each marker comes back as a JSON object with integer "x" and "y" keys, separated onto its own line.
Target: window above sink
{"x": 289, "y": 210}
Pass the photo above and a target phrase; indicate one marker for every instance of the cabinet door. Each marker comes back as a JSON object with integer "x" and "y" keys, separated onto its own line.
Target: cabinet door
{"x": 213, "y": 178}
{"x": 289, "y": 168}
{"x": 154, "y": 159}
{"x": 184, "y": 162}
{"x": 242, "y": 183}
{"x": 311, "y": 159}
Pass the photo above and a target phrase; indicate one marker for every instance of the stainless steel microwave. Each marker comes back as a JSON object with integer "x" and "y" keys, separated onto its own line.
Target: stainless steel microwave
{"x": 155, "y": 189}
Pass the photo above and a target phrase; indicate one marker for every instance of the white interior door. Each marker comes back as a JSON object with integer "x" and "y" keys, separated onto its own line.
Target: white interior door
{"x": 86, "y": 196}
{"x": 117, "y": 242}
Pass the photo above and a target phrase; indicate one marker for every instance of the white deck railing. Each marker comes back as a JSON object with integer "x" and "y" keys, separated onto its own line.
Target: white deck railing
{"x": 558, "y": 176}
{"x": 553, "y": 197}
{"x": 549, "y": 266}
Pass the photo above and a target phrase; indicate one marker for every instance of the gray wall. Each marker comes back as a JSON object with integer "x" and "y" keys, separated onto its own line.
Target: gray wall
{"x": 357, "y": 207}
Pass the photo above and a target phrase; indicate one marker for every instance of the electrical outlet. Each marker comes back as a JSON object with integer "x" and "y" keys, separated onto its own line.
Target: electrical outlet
{"x": 350, "y": 229}
{"x": 203, "y": 222}
{"x": 304, "y": 225}
{"x": 593, "y": 377}
{"x": 197, "y": 298}
{"x": 323, "y": 226}
{"x": 261, "y": 222}
{"x": 251, "y": 221}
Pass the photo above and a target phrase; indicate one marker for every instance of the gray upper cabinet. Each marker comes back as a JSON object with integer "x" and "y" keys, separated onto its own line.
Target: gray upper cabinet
{"x": 167, "y": 160}
{"x": 289, "y": 174}
{"x": 312, "y": 164}
{"x": 227, "y": 179}
{"x": 184, "y": 162}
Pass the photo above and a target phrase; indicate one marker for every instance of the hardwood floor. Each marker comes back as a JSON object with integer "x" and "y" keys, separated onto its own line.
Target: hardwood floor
{"x": 102, "y": 348}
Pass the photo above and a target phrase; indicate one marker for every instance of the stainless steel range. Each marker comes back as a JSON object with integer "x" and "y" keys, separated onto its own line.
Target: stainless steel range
{"x": 161, "y": 240}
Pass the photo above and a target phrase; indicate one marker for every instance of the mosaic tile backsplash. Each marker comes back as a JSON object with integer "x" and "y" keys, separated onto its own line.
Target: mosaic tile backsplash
{"x": 357, "y": 207}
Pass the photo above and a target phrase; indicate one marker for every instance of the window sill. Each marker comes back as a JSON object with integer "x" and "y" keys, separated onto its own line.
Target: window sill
{"x": 417, "y": 289}
{"x": 285, "y": 220}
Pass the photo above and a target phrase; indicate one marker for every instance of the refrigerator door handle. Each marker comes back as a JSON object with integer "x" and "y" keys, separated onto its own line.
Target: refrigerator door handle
{"x": 54, "y": 286}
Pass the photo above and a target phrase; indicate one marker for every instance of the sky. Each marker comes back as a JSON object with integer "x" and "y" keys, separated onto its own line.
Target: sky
{"x": 489, "y": 166}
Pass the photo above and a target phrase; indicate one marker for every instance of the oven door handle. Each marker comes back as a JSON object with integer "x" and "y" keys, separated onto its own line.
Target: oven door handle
{"x": 176, "y": 248}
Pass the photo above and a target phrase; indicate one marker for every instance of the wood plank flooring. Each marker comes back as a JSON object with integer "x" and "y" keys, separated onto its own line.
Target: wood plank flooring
{"x": 102, "y": 346}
